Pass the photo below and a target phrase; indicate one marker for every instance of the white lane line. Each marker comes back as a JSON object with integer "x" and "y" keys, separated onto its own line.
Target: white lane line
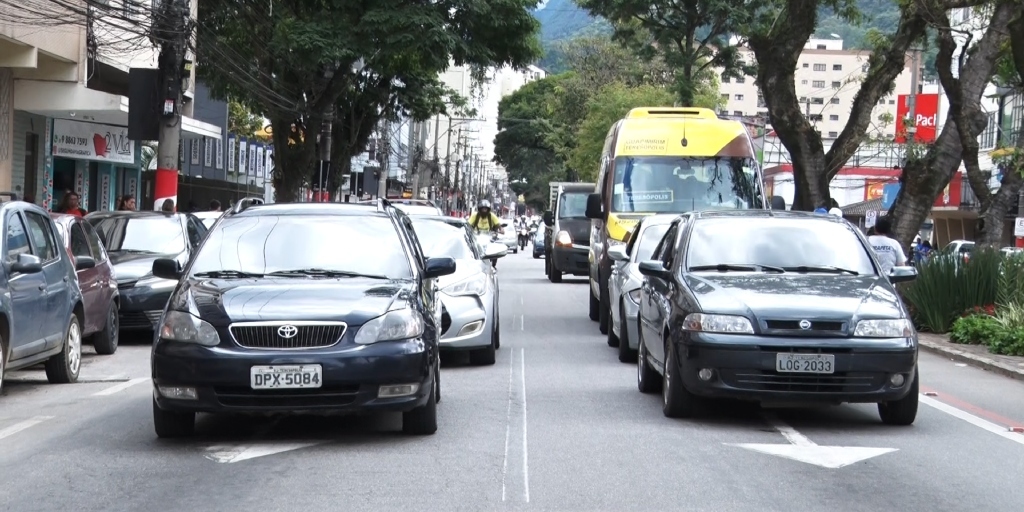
{"x": 972, "y": 419}
{"x": 520, "y": 300}
{"x": 522, "y": 322}
{"x": 18, "y": 427}
{"x": 526, "y": 451}
{"x": 508, "y": 425}
{"x": 117, "y": 388}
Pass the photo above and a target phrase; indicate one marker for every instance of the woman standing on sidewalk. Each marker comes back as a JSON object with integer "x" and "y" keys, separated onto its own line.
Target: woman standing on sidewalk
{"x": 69, "y": 204}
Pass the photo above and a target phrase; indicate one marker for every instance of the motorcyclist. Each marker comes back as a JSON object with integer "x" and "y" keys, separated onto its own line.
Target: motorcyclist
{"x": 484, "y": 221}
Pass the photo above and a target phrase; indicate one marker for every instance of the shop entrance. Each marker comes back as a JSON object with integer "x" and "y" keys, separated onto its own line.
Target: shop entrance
{"x": 63, "y": 179}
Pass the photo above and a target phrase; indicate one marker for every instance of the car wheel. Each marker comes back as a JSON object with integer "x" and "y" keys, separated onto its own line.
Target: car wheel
{"x": 626, "y": 354}
{"x": 902, "y": 412}
{"x": 536, "y": 256}
{"x": 483, "y": 356}
{"x": 595, "y": 307}
{"x": 497, "y": 328}
{"x": 604, "y": 310}
{"x": 677, "y": 401}
{"x": 105, "y": 341}
{"x": 647, "y": 380}
{"x": 171, "y": 424}
{"x": 613, "y": 339}
{"x": 422, "y": 421}
{"x": 554, "y": 275}
{"x": 437, "y": 381}
{"x": 3, "y": 363}
{"x": 63, "y": 368}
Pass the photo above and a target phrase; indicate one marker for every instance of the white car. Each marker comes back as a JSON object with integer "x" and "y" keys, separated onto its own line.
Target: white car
{"x": 625, "y": 281}
{"x": 208, "y": 218}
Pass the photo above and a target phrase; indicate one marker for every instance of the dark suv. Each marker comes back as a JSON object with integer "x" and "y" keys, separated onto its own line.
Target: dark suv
{"x": 301, "y": 308}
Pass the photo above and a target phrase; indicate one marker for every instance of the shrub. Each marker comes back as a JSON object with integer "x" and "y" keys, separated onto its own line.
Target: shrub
{"x": 1008, "y": 342}
{"x": 947, "y": 286}
{"x": 976, "y": 330}
{"x": 1011, "y": 278}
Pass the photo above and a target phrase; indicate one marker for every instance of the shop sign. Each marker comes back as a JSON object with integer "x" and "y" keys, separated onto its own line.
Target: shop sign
{"x": 90, "y": 141}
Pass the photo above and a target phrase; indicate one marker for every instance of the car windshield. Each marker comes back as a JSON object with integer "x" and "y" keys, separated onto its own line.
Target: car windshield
{"x": 572, "y": 206}
{"x": 649, "y": 239}
{"x": 442, "y": 240}
{"x": 157, "y": 234}
{"x": 782, "y": 243}
{"x": 682, "y": 184}
{"x": 418, "y": 209}
{"x": 279, "y": 243}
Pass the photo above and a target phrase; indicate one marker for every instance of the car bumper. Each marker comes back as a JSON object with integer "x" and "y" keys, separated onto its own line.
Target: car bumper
{"x": 351, "y": 378}
{"x": 140, "y": 308}
{"x": 470, "y": 321}
{"x": 571, "y": 260}
{"x": 745, "y": 369}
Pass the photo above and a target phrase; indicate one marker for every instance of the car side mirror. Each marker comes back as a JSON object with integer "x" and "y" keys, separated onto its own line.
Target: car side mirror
{"x": 778, "y": 203}
{"x": 84, "y": 262}
{"x": 594, "y": 206}
{"x": 549, "y": 218}
{"x": 167, "y": 268}
{"x": 27, "y": 264}
{"x": 654, "y": 268}
{"x": 495, "y": 251}
{"x": 902, "y": 274}
{"x": 437, "y": 267}
{"x": 618, "y": 253}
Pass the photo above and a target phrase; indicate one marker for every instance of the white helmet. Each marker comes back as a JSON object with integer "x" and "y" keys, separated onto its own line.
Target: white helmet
{"x": 837, "y": 212}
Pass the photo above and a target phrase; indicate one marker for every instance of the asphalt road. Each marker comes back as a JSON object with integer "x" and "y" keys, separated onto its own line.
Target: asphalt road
{"x": 556, "y": 425}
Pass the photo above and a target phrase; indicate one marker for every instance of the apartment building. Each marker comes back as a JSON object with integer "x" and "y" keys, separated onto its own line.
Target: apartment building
{"x": 63, "y": 104}
{"x": 827, "y": 80}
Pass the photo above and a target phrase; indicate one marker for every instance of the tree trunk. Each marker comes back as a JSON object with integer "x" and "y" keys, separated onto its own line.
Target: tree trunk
{"x": 991, "y": 219}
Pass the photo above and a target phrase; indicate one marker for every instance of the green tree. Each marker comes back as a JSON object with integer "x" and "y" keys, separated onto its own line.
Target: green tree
{"x": 609, "y": 105}
{"x": 242, "y": 121}
{"x": 692, "y": 37}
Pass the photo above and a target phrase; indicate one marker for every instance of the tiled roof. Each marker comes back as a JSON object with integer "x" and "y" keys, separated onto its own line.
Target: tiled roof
{"x": 860, "y": 209}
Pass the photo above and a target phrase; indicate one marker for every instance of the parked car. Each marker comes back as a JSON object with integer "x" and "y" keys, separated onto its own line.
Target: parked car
{"x": 208, "y": 218}
{"x": 314, "y": 307}
{"x": 625, "y": 281}
{"x": 469, "y": 297}
{"x": 41, "y": 308}
{"x": 97, "y": 283}
{"x": 134, "y": 240}
{"x": 538, "y": 244}
{"x": 790, "y": 307}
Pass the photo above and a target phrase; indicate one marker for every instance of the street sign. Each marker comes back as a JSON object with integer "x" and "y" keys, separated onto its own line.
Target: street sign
{"x": 870, "y": 217}
{"x": 1018, "y": 226}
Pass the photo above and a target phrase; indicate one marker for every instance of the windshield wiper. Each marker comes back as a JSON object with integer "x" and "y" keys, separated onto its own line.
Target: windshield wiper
{"x": 227, "y": 273}
{"x": 323, "y": 272}
{"x": 734, "y": 267}
{"x": 823, "y": 268}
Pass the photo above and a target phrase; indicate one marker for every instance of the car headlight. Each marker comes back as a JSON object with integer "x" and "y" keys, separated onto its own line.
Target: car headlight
{"x": 634, "y": 296}
{"x": 156, "y": 283}
{"x": 890, "y": 328}
{"x": 188, "y": 328}
{"x": 563, "y": 238}
{"x": 728, "y": 324}
{"x": 473, "y": 285}
{"x": 400, "y": 324}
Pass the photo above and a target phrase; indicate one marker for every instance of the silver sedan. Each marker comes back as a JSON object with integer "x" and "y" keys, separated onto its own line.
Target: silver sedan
{"x": 469, "y": 297}
{"x": 625, "y": 281}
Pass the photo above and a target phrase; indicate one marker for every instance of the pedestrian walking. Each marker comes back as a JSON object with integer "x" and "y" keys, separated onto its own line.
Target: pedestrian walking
{"x": 70, "y": 204}
{"x": 126, "y": 203}
{"x": 215, "y": 206}
{"x": 168, "y": 205}
{"x": 889, "y": 252}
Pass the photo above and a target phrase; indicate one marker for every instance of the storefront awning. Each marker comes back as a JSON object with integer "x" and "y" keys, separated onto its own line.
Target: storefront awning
{"x": 73, "y": 101}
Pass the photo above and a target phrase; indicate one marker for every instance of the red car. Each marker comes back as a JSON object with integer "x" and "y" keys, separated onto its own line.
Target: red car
{"x": 99, "y": 288}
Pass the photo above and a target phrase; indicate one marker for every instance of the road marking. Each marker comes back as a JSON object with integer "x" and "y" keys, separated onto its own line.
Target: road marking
{"x": 1003, "y": 432}
{"x": 802, "y": 449}
{"x": 18, "y": 427}
{"x": 120, "y": 387}
{"x": 229, "y": 454}
{"x": 522, "y": 322}
{"x": 526, "y": 451}
{"x": 508, "y": 424}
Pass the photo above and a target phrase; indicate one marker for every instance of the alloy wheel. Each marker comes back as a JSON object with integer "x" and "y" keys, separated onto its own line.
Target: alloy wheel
{"x": 74, "y": 347}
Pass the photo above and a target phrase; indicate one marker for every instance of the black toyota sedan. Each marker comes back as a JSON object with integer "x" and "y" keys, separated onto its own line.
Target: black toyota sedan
{"x": 320, "y": 308}
{"x": 775, "y": 307}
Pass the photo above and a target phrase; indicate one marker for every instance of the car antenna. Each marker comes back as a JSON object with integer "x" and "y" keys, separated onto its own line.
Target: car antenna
{"x": 245, "y": 203}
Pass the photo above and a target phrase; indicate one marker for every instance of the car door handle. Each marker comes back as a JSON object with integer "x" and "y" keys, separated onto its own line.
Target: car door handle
{"x": 42, "y": 286}
{"x": 65, "y": 279}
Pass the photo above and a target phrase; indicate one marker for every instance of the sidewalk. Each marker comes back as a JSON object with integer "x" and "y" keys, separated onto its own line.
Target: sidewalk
{"x": 974, "y": 355}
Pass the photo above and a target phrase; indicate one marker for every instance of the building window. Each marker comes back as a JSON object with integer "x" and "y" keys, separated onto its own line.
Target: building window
{"x": 725, "y": 97}
{"x": 738, "y": 97}
{"x": 987, "y": 139}
{"x": 803, "y": 99}
{"x": 737, "y": 113}
{"x": 817, "y": 101}
{"x": 833, "y": 117}
{"x": 836, "y": 85}
{"x": 741, "y": 79}
{"x": 819, "y": 67}
{"x": 815, "y": 117}
{"x": 833, "y": 135}
{"x": 837, "y": 67}
{"x": 760, "y": 101}
{"x": 818, "y": 84}
{"x": 806, "y": 65}
{"x": 834, "y": 101}
{"x": 725, "y": 79}
{"x": 803, "y": 82}
{"x": 892, "y": 102}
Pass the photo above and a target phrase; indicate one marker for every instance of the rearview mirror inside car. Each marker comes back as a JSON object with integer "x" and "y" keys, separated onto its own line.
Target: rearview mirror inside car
{"x": 495, "y": 251}
{"x": 437, "y": 267}
{"x": 902, "y": 274}
{"x": 27, "y": 264}
{"x": 594, "y": 206}
{"x": 618, "y": 253}
{"x": 653, "y": 268}
{"x": 167, "y": 268}
{"x": 84, "y": 262}
{"x": 778, "y": 203}
{"x": 549, "y": 218}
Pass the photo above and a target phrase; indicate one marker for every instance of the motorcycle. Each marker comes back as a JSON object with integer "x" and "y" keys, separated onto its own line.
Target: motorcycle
{"x": 485, "y": 239}
{"x": 524, "y": 238}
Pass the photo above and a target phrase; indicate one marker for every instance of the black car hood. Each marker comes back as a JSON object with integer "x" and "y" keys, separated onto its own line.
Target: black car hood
{"x": 350, "y": 300}
{"x": 796, "y": 297}
{"x": 579, "y": 230}
{"x": 130, "y": 266}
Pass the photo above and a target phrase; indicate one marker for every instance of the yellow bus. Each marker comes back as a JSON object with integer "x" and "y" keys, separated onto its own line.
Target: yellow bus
{"x": 666, "y": 160}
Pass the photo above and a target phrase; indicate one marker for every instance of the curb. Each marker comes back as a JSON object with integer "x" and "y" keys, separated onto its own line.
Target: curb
{"x": 973, "y": 360}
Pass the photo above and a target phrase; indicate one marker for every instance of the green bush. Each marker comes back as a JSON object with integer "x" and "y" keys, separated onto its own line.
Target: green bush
{"x": 1011, "y": 281}
{"x": 946, "y": 287}
{"x": 1008, "y": 342}
{"x": 975, "y": 330}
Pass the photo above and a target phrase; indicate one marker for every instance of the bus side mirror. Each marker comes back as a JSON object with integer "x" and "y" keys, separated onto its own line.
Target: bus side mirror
{"x": 593, "y": 206}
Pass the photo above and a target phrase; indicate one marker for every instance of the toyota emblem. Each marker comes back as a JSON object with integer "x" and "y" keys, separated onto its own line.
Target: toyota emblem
{"x": 290, "y": 331}
{"x": 804, "y": 324}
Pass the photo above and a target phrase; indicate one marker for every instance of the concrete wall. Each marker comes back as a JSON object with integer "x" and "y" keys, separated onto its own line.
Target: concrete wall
{"x": 25, "y": 123}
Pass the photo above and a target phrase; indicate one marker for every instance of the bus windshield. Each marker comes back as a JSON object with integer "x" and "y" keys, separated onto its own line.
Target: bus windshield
{"x": 680, "y": 184}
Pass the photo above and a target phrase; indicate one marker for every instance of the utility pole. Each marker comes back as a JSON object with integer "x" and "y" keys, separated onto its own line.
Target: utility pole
{"x": 173, "y": 30}
{"x": 385, "y": 165}
{"x": 414, "y": 174}
{"x": 912, "y": 98}
{"x": 325, "y": 151}
{"x": 432, "y": 191}
{"x": 447, "y": 169}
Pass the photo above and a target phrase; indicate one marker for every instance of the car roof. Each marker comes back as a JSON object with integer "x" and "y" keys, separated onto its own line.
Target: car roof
{"x": 134, "y": 214}
{"x": 764, "y": 214}
{"x": 455, "y": 221}
{"x": 353, "y": 209}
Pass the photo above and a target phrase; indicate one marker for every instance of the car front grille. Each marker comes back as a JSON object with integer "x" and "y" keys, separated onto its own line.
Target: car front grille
{"x": 287, "y": 335}
{"x": 770, "y": 380}
{"x": 328, "y": 396}
{"x": 826, "y": 328}
{"x": 140, "y": 319}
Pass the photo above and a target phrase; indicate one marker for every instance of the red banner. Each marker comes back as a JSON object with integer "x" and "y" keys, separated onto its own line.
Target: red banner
{"x": 926, "y": 117}
{"x": 950, "y": 196}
